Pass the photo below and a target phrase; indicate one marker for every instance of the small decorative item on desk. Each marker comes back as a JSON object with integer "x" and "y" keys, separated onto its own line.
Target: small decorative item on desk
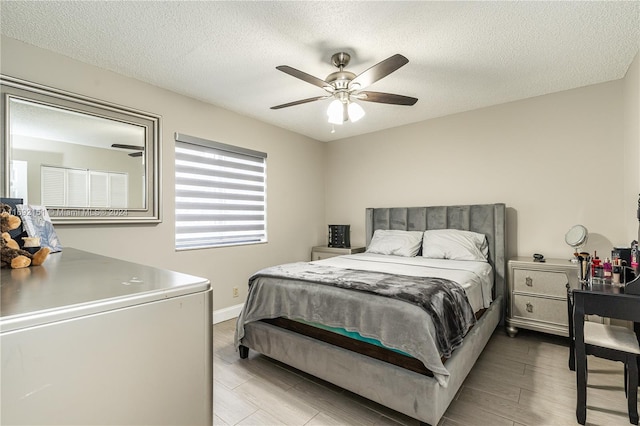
{"x": 31, "y": 244}
{"x": 608, "y": 268}
{"x": 38, "y": 224}
{"x": 339, "y": 236}
{"x": 621, "y": 254}
{"x": 584, "y": 261}
{"x": 18, "y": 232}
{"x": 610, "y": 272}
{"x": 597, "y": 271}
{"x": 615, "y": 279}
{"x": 11, "y": 255}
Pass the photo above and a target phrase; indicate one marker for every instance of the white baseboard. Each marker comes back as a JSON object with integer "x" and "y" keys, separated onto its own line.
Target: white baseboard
{"x": 227, "y": 313}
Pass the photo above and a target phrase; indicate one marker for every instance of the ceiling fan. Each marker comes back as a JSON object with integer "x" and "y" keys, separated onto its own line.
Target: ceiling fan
{"x": 346, "y": 87}
{"x": 140, "y": 149}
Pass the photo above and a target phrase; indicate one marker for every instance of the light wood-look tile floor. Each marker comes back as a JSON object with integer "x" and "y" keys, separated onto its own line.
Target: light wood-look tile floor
{"x": 516, "y": 381}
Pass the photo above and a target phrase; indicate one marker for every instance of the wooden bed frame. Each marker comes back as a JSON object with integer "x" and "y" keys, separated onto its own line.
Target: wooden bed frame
{"x": 408, "y": 390}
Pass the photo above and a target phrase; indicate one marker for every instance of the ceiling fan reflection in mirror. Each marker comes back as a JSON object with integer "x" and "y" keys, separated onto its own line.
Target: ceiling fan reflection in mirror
{"x": 346, "y": 87}
{"x": 140, "y": 149}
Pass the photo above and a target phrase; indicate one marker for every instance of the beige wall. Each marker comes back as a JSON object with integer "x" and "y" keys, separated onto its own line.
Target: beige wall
{"x": 632, "y": 145}
{"x": 295, "y": 175}
{"x": 555, "y": 160}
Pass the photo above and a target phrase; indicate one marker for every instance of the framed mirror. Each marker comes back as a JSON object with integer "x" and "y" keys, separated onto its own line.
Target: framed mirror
{"x": 85, "y": 160}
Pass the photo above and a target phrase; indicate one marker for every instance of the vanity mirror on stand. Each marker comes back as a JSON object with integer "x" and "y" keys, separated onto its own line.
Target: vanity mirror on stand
{"x": 85, "y": 160}
{"x": 576, "y": 237}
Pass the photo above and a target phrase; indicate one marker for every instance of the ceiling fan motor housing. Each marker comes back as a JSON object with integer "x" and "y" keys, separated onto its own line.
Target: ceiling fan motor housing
{"x": 340, "y": 79}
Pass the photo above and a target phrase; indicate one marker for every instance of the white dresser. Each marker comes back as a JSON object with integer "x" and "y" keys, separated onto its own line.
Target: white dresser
{"x": 538, "y": 294}
{"x": 88, "y": 339}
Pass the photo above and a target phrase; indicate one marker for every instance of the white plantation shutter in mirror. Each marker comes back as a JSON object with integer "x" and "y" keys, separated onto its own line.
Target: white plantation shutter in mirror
{"x": 52, "y": 184}
{"x": 76, "y": 188}
{"x": 99, "y": 189}
{"x": 220, "y": 194}
{"x": 118, "y": 195}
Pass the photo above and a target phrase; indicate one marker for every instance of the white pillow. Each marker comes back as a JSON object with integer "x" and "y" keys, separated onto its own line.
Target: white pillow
{"x": 455, "y": 244}
{"x": 395, "y": 242}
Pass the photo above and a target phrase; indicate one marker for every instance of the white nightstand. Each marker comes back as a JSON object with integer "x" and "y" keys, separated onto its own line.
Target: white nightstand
{"x": 538, "y": 294}
{"x": 324, "y": 252}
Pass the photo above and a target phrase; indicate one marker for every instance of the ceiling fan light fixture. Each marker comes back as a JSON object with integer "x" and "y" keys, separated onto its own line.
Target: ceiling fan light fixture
{"x": 355, "y": 112}
{"x": 335, "y": 112}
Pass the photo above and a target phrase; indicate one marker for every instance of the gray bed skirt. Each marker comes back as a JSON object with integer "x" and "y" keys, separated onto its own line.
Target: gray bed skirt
{"x": 413, "y": 394}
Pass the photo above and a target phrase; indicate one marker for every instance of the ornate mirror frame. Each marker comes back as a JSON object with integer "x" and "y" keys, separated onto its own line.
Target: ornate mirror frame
{"x": 16, "y": 92}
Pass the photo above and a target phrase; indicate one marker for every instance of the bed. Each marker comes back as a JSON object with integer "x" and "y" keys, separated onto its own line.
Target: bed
{"x": 380, "y": 347}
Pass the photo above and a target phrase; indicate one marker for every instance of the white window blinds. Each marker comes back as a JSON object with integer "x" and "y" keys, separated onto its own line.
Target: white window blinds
{"x": 220, "y": 194}
{"x": 98, "y": 189}
{"x": 67, "y": 187}
{"x": 76, "y": 187}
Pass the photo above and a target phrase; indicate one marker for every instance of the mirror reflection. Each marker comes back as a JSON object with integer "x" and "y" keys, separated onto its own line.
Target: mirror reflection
{"x": 62, "y": 158}
{"x": 85, "y": 160}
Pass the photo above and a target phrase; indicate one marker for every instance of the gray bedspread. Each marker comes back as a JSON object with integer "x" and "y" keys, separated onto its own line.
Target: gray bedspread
{"x": 444, "y": 300}
{"x": 424, "y": 317}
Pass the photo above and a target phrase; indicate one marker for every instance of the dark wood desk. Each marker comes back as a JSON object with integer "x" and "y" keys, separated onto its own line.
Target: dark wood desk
{"x": 605, "y": 300}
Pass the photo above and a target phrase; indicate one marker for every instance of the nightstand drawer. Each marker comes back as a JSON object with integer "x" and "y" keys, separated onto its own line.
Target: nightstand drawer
{"x": 540, "y": 308}
{"x": 324, "y": 252}
{"x": 540, "y": 282}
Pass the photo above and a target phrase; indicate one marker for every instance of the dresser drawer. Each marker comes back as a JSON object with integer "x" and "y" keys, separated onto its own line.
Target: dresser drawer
{"x": 540, "y": 282}
{"x": 540, "y": 308}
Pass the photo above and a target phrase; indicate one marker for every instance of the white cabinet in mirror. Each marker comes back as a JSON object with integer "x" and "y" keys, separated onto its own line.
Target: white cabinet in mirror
{"x": 86, "y": 160}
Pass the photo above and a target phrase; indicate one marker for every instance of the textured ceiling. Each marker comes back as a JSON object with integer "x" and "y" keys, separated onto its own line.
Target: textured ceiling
{"x": 462, "y": 55}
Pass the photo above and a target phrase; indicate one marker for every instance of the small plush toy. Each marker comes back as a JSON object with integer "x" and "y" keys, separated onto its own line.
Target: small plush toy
{"x": 11, "y": 256}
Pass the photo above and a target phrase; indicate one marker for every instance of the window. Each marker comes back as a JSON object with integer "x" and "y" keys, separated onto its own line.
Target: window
{"x": 67, "y": 187}
{"x": 220, "y": 194}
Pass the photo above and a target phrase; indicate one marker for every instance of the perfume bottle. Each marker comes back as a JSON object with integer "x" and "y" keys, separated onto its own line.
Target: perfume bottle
{"x": 617, "y": 269}
{"x": 596, "y": 266}
{"x": 607, "y": 268}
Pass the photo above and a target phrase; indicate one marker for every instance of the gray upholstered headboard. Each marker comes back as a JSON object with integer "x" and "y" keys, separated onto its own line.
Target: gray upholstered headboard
{"x": 488, "y": 219}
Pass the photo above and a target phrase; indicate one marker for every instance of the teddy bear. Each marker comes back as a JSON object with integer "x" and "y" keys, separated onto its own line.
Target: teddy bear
{"x": 11, "y": 256}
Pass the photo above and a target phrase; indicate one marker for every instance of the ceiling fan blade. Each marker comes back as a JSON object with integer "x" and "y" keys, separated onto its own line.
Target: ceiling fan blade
{"x": 378, "y": 71}
{"x": 386, "y": 98}
{"x": 123, "y": 146}
{"x": 305, "y": 77}
{"x": 301, "y": 101}
{"x": 135, "y": 154}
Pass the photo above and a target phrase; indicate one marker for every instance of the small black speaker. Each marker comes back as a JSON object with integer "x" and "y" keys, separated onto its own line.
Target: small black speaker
{"x": 339, "y": 236}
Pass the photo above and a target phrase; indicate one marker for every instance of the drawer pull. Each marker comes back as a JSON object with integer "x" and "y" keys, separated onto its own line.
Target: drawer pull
{"x": 529, "y": 307}
{"x": 528, "y": 281}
